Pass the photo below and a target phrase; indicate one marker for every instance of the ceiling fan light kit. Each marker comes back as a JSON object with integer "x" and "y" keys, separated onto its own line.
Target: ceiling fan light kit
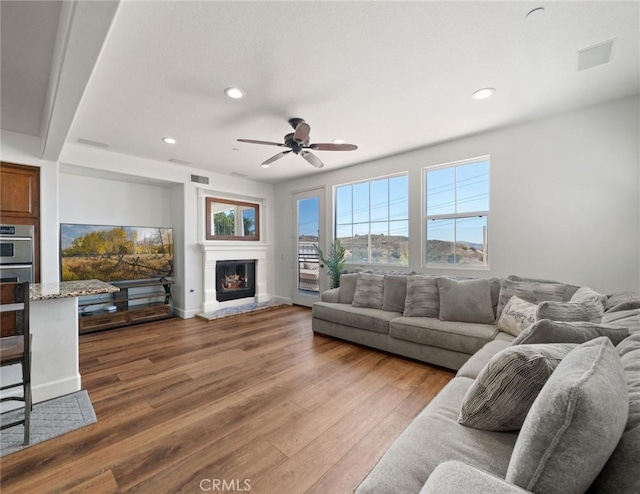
{"x": 298, "y": 143}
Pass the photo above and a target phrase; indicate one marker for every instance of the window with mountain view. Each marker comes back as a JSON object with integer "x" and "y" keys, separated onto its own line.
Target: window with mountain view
{"x": 457, "y": 213}
{"x": 372, "y": 220}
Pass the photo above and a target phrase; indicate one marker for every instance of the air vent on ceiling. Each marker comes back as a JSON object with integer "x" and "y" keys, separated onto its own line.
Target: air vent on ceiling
{"x": 199, "y": 179}
{"x": 595, "y": 55}
{"x": 179, "y": 162}
{"x": 236, "y": 174}
{"x": 93, "y": 143}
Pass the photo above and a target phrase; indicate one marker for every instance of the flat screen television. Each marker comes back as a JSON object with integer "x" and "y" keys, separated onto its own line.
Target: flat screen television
{"x": 115, "y": 253}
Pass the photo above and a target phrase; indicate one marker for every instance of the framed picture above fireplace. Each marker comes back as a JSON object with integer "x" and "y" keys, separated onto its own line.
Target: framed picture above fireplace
{"x": 232, "y": 220}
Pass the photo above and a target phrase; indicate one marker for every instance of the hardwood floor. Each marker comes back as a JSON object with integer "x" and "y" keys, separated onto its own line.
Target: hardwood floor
{"x": 256, "y": 401}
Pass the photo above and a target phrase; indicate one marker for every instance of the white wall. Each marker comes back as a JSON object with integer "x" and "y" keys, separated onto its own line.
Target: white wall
{"x": 22, "y": 149}
{"x": 565, "y": 198}
{"x": 109, "y": 202}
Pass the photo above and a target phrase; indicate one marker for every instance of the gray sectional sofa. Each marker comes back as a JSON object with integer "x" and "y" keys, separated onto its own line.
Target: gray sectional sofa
{"x": 428, "y": 339}
{"x": 582, "y": 432}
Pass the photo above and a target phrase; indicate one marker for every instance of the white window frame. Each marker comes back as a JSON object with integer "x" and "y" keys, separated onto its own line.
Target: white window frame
{"x": 424, "y": 217}
{"x": 368, "y": 180}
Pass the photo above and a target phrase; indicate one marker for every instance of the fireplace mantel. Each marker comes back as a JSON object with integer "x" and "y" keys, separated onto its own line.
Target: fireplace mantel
{"x": 231, "y": 251}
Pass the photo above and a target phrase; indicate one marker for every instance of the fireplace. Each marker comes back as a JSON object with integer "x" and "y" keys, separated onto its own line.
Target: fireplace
{"x": 235, "y": 279}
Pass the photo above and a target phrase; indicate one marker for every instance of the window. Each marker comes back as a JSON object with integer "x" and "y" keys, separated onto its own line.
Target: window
{"x": 372, "y": 220}
{"x": 456, "y": 213}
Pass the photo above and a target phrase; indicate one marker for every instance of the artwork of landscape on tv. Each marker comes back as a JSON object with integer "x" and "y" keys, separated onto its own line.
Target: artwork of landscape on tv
{"x": 115, "y": 253}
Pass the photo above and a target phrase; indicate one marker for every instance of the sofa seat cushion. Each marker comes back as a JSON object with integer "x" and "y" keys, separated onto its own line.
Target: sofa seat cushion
{"x": 466, "y": 337}
{"x": 480, "y": 359}
{"x": 375, "y": 320}
{"x": 434, "y": 437}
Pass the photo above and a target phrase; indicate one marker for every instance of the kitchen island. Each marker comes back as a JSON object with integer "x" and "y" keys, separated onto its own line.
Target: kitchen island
{"x": 54, "y": 328}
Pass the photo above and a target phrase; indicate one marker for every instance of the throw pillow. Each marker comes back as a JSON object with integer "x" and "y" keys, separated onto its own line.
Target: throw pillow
{"x": 621, "y": 473}
{"x": 546, "y": 331}
{"x": 531, "y": 291}
{"x": 500, "y": 397}
{"x": 347, "y": 288}
{"x": 585, "y": 293}
{"x": 588, "y": 310}
{"x": 395, "y": 293}
{"x": 423, "y": 299}
{"x": 575, "y": 423}
{"x": 517, "y": 316}
{"x": 369, "y": 291}
{"x": 465, "y": 300}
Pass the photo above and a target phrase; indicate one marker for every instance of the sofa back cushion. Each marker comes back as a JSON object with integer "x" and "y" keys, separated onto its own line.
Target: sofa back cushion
{"x": 347, "y": 287}
{"x": 369, "y": 291}
{"x": 546, "y": 331}
{"x": 465, "y": 300}
{"x": 423, "y": 297}
{"x": 395, "y": 292}
{"x": 569, "y": 291}
{"x": 574, "y": 424}
{"x": 531, "y": 291}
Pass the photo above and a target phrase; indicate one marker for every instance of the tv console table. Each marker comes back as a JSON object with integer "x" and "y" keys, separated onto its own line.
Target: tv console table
{"x": 137, "y": 301}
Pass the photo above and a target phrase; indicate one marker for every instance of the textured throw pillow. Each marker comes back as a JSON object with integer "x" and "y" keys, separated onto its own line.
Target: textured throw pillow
{"x": 423, "y": 299}
{"x": 369, "y": 291}
{"x": 546, "y": 331}
{"x": 395, "y": 293}
{"x": 531, "y": 291}
{"x": 347, "y": 288}
{"x": 517, "y": 316}
{"x": 465, "y": 300}
{"x": 585, "y": 293}
{"x": 505, "y": 389}
{"x": 575, "y": 423}
{"x": 587, "y": 310}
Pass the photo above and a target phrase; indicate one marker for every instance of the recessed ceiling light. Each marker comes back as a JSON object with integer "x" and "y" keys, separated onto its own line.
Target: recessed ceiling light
{"x": 483, "y": 93}
{"x": 338, "y": 141}
{"x": 234, "y": 92}
{"x": 264, "y": 165}
{"x": 169, "y": 140}
{"x": 536, "y": 13}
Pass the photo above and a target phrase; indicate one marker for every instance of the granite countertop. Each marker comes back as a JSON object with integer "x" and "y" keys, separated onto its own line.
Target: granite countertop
{"x": 67, "y": 289}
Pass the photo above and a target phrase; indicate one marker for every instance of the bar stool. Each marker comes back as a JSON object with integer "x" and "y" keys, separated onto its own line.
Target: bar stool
{"x": 15, "y": 345}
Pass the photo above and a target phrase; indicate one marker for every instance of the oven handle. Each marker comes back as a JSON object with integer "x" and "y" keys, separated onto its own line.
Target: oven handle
{"x": 15, "y": 266}
{"x": 9, "y": 239}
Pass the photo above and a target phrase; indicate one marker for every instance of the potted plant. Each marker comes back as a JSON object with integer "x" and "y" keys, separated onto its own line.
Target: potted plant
{"x": 334, "y": 262}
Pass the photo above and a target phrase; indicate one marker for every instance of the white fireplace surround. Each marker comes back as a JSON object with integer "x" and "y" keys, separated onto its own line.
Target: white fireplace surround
{"x": 233, "y": 251}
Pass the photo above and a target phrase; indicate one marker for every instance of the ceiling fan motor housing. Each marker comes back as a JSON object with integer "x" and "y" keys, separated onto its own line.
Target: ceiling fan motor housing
{"x": 290, "y": 142}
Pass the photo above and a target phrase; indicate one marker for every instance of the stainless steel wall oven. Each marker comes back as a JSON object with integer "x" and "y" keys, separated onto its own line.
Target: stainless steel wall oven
{"x": 16, "y": 252}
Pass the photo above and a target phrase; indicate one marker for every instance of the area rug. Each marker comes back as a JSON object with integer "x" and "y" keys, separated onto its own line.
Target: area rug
{"x": 239, "y": 309}
{"x": 49, "y": 419}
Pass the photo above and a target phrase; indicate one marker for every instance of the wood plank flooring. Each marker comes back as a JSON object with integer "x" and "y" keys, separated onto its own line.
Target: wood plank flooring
{"x": 256, "y": 401}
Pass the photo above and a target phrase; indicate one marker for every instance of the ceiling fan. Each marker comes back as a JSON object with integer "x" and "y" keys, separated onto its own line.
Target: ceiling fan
{"x": 298, "y": 143}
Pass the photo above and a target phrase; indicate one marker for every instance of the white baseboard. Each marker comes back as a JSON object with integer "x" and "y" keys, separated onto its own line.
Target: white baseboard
{"x": 282, "y": 300}
{"x": 186, "y": 314}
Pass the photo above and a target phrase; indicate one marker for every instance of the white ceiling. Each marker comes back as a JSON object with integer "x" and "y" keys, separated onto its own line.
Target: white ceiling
{"x": 387, "y": 76}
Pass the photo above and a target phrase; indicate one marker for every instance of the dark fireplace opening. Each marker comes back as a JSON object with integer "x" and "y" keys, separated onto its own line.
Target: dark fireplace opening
{"x": 235, "y": 279}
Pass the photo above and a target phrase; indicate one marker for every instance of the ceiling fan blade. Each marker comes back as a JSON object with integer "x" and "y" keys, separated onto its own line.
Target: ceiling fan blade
{"x": 252, "y": 141}
{"x": 301, "y": 133}
{"x": 329, "y": 146}
{"x": 312, "y": 158}
{"x": 276, "y": 157}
